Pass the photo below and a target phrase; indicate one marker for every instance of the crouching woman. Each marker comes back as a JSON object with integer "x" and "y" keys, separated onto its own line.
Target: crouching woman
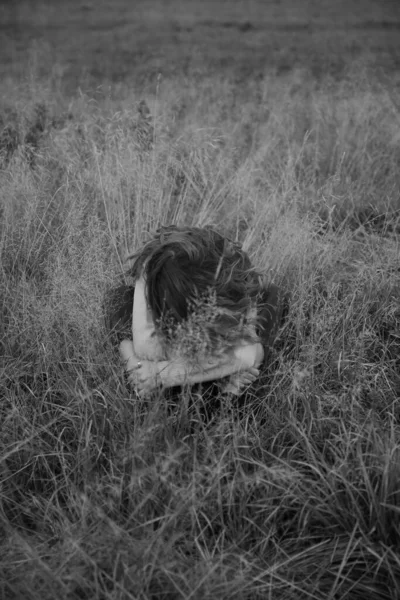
{"x": 198, "y": 313}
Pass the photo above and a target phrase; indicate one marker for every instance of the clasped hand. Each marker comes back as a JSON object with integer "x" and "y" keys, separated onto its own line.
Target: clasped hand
{"x": 142, "y": 374}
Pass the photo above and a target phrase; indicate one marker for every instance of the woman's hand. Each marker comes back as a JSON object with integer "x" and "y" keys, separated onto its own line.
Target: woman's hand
{"x": 142, "y": 374}
{"x": 145, "y": 377}
{"x": 237, "y": 382}
{"x": 249, "y": 356}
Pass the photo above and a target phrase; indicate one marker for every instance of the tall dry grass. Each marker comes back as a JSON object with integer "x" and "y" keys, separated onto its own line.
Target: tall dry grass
{"x": 107, "y": 496}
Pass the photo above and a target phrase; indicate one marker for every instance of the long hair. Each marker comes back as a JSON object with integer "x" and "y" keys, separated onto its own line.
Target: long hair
{"x": 188, "y": 268}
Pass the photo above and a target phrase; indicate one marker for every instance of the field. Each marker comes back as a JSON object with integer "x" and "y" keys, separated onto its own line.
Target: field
{"x": 278, "y": 123}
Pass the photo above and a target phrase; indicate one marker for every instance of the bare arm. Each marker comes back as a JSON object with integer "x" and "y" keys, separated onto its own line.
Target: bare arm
{"x": 177, "y": 372}
{"x": 146, "y": 343}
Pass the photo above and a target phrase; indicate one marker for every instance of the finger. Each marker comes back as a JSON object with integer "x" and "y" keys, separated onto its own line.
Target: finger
{"x": 248, "y": 374}
{"x": 230, "y": 388}
{"x": 135, "y": 376}
{"x": 131, "y": 372}
{"x": 137, "y": 366}
{"x": 247, "y": 378}
{"x": 132, "y": 381}
{"x": 246, "y": 384}
{"x": 252, "y": 377}
{"x": 240, "y": 383}
{"x": 254, "y": 371}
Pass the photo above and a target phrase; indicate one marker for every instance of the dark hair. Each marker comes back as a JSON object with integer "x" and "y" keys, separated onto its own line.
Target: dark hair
{"x": 183, "y": 265}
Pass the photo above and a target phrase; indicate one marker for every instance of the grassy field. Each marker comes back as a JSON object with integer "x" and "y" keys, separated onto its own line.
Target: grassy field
{"x": 279, "y": 124}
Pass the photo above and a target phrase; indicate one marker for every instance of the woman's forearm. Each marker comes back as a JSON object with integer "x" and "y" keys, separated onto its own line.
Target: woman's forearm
{"x": 177, "y": 372}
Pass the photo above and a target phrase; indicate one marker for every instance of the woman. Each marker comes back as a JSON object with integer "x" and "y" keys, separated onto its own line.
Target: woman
{"x": 198, "y": 313}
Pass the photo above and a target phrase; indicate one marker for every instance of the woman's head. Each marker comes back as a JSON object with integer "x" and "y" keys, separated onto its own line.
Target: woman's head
{"x": 185, "y": 265}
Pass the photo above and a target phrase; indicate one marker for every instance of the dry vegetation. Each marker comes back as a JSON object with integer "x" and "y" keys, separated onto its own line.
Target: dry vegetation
{"x": 262, "y": 126}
